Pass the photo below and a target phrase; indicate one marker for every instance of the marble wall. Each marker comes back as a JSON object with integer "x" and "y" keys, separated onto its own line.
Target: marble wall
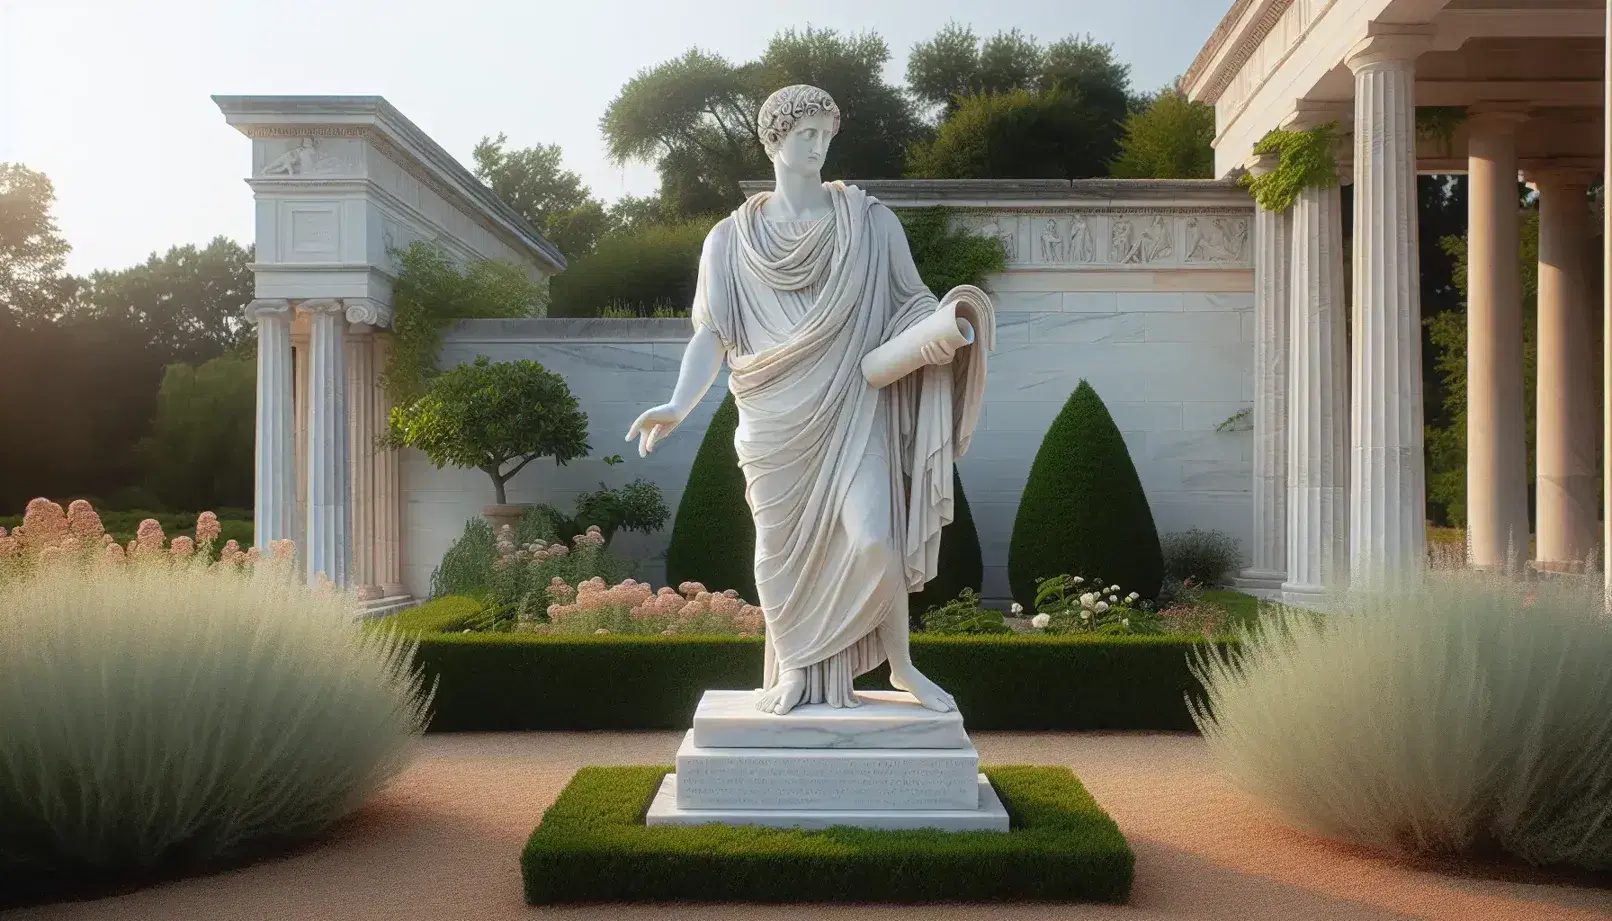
{"x": 1170, "y": 353}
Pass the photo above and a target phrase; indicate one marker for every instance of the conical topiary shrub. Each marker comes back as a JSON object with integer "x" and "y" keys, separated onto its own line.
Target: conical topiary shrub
{"x": 1083, "y": 511}
{"x": 713, "y": 536}
{"x": 960, "y": 565}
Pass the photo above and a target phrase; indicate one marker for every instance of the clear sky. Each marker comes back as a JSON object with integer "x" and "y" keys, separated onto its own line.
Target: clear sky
{"x": 110, "y": 98}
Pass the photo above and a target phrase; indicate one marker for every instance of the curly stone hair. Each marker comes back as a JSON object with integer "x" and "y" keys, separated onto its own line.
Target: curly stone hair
{"x": 789, "y": 105}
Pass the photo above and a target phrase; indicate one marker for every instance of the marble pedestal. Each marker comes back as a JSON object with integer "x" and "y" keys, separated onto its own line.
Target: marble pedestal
{"x": 888, "y": 764}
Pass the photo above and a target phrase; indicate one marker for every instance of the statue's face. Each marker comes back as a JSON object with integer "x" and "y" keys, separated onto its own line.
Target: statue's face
{"x": 806, "y": 145}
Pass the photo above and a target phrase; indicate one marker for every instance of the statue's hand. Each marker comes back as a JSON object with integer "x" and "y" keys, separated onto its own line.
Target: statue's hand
{"x": 655, "y": 423}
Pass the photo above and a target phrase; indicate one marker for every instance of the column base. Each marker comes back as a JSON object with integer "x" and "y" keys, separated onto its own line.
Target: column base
{"x": 1259, "y": 580}
{"x": 386, "y": 605}
{"x": 1311, "y": 597}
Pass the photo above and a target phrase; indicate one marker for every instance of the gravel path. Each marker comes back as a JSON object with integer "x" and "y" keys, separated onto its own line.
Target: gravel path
{"x": 443, "y": 842}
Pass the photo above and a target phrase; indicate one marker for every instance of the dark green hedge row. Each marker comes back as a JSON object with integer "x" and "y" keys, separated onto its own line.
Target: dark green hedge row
{"x": 534, "y": 682}
{"x": 593, "y": 846}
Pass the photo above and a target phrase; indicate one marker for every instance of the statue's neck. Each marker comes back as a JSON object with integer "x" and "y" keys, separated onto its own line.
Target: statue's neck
{"x": 798, "y": 196}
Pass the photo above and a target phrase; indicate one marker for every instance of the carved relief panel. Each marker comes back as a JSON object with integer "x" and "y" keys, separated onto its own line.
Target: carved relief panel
{"x": 1073, "y": 239}
{"x": 307, "y": 156}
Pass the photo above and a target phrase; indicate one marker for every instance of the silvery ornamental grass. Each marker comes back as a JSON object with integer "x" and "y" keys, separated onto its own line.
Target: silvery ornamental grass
{"x": 169, "y": 713}
{"x": 1465, "y": 714}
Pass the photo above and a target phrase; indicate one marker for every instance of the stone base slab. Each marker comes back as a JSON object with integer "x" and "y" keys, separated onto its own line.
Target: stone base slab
{"x": 885, "y": 719}
{"x": 987, "y": 815}
{"x": 896, "y": 779}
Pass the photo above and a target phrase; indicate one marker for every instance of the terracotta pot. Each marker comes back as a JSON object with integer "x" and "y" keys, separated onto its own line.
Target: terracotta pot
{"x": 500, "y": 515}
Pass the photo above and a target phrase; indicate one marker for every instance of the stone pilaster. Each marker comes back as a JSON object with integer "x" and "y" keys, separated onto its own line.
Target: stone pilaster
{"x": 329, "y": 534}
{"x": 275, "y": 483}
{"x": 1566, "y": 422}
{"x": 388, "y": 491}
{"x": 1272, "y": 244}
{"x": 1387, "y": 479}
{"x": 1317, "y": 408}
{"x": 1496, "y": 440}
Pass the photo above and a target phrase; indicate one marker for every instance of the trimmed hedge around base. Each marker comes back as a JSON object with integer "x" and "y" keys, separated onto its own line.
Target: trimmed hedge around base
{"x": 521, "y": 681}
{"x": 593, "y": 846}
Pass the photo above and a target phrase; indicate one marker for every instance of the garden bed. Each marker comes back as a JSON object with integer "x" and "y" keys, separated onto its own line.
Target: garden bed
{"x": 593, "y": 846}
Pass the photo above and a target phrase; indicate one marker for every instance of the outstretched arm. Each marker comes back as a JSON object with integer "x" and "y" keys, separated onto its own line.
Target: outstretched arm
{"x": 702, "y": 360}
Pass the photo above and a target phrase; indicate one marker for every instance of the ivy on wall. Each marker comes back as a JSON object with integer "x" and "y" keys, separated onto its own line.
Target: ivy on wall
{"x": 947, "y": 256}
{"x": 432, "y": 292}
{"x": 1304, "y": 159}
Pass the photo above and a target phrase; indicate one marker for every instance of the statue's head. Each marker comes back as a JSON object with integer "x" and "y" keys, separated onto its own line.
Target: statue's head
{"x": 796, "y": 125}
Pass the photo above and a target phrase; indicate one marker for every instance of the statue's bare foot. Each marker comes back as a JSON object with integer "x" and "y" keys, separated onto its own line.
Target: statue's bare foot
{"x": 918, "y": 685}
{"x": 783, "y": 696}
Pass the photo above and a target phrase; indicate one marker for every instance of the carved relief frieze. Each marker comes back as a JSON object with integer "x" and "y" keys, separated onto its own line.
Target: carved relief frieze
{"x": 309, "y": 156}
{"x": 1074, "y": 238}
{"x": 1213, "y": 239}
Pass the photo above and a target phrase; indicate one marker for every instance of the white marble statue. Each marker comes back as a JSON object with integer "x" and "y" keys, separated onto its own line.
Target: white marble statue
{"x": 849, "y": 484}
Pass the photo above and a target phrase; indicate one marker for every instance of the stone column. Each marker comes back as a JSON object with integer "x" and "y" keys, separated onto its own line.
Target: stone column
{"x": 299, "y": 349}
{"x": 1387, "y": 477}
{"x": 361, "y": 456}
{"x": 329, "y": 534}
{"x": 1317, "y": 408}
{"x": 274, "y": 492}
{"x": 1268, "y": 559}
{"x": 1497, "y": 459}
{"x": 1566, "y": 421}
{"x": 388, "y": 491}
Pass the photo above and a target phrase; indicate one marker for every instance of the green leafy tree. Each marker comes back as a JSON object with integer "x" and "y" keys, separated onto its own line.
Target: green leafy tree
{"x": 713, "y": 535}
{"x": 34, "y": 285}
{"x": 1014, "y": 135}
{"x": 199, "y": 454}
{"x": 695, "y": 116}
{"x": 431, "y": 292}
{"x": 654, "y": 266}
{"x": 185, "y": 305}
{"x": 1083, "y": 511}
{"x": 1169, "y": 139}
{"x": 494, "y": 417}
{"x": 947, "y": 71}
{"x": 550, "y": 197}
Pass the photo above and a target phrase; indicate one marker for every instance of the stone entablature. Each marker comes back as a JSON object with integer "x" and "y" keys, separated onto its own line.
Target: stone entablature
{"x": 1108, "y": 224}
{"x": 343, "y": 181}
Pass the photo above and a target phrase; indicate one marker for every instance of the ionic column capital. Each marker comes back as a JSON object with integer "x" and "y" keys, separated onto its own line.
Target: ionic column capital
{"x": 367, "y": 311}
{"x": 1389, "y": 45}
{"x": 320, "y": 305}
{"x": 265, "y": 307}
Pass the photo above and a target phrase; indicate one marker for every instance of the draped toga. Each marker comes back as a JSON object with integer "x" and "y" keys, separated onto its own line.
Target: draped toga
{"x": 797, "y": 305}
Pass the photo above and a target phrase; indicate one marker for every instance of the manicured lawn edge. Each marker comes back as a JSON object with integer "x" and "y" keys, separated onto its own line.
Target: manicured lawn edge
{"x": 592, "y": 846}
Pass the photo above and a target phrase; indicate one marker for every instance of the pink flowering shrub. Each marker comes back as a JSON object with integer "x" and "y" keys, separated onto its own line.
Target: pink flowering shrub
{"x": 51, "y": 536}
{"x": 523, "y": 572}
{"x": 594, "y": 607}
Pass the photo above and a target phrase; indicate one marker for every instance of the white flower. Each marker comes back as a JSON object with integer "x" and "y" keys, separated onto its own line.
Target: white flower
{"x": 1126, "y": 621}
{"x": 1113, "y": 599}
{"x": 1017, "y": 609}
{"x": 1079, "y": 580}
{"x": 1102, "y": 607}
{"x": 1040, "y": 621}
{"x": 1087, "y": 600}
{"x": 1132, "y": 596}
{"x": 1084, "y": 615}
{"x": 1113, "y": 588}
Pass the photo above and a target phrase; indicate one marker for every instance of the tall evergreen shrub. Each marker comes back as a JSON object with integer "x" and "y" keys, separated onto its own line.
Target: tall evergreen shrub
{"x": 1083, "y": 511}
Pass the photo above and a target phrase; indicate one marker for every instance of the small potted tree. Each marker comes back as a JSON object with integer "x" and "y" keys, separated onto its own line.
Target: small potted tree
{"x": 496, "y": 417}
